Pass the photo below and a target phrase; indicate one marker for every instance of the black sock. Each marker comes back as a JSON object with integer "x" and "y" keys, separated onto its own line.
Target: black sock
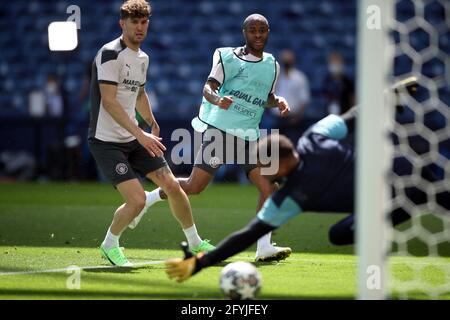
{"x": 235, "y": 243}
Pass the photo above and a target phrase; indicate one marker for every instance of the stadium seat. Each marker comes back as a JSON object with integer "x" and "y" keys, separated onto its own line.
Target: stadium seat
{"x": 183, "y": 58}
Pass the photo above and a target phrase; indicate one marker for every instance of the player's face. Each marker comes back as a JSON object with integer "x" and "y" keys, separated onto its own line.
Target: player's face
{"x": 285, "y": 166}
{"x": 256, "y": 35}
{"x": 135, "y": 29}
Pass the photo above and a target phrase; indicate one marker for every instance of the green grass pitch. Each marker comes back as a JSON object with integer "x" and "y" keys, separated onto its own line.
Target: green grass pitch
{"x": 53, "y": 226}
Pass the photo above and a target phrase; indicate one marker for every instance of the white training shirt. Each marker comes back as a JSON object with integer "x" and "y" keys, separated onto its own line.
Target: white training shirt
{"x": 217, "y": 67}
{"x": 119, "y": 65}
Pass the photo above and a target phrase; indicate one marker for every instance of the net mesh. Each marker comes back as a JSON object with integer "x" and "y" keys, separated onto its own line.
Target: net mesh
{"x": 419, "y": 260}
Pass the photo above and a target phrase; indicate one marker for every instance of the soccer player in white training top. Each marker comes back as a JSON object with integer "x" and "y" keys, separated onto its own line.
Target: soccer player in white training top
{"x": 119, "y": 146}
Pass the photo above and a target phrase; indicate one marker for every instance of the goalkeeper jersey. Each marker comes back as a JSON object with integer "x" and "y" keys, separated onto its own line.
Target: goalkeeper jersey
{"x": 323, "y": 180}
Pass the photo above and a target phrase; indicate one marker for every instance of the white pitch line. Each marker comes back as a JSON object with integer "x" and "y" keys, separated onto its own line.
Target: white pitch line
{"x": 155, "y": 262}
{"x": 72, "y": 268}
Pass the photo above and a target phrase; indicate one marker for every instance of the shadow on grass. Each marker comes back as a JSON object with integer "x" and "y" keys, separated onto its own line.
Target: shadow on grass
{"x": 266, "y": 264}
{"x": 124, "y": 269}
{"x": 114, "y": 270}
{"x": 81, "y": 227}
{"x": 102, "y": 279}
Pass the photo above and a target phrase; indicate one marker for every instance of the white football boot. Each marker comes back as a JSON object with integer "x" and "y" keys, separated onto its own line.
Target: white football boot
{"x": 273, "y": 253}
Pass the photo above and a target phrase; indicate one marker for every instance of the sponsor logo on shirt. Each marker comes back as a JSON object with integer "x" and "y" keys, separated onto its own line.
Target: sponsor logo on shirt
{"x": 244, "y": 111}
{"x": 248, "y": 98}
{"x": 131, "y": 85}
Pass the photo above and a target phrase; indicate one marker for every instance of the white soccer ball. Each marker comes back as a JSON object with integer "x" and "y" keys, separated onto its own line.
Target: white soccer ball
{"x": 240, "y": 281}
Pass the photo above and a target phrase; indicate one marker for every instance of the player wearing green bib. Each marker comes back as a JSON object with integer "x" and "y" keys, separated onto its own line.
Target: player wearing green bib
{"x": 239, "y": 88}
{"x": 248, "y": 83}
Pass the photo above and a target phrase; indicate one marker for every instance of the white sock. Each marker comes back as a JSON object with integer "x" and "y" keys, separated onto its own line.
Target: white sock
{"x": 192, "y": 236}
{"x": 152, "y": 197}
{"x": 111, "y": 240}
{"x": 264, "y": 243}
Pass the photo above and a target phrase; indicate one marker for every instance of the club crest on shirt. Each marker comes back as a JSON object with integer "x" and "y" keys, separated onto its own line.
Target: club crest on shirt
{"x": 241, "y": 73}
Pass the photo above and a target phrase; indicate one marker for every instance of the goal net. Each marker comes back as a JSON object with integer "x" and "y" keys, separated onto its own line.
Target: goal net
{"x": 404, "y": 149}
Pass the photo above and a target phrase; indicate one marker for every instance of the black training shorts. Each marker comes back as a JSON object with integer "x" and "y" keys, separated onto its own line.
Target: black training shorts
{"x": 119, "y": 162}
{"x": 230, "y": 149}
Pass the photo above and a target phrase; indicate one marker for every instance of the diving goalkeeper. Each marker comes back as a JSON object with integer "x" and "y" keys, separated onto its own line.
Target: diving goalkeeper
{"x": 319, "y": 176}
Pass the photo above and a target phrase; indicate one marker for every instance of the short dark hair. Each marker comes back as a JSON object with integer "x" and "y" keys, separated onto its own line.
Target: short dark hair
{"x": 135, "y": 9}
{"x": 253, "y": 17}
{"x": 285, "y": 146}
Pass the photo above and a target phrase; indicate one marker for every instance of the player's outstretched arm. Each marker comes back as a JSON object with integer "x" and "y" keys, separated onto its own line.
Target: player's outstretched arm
{"x": 210, "y": 94}
{"x": 279, "y": 102}
{"x": 350, "y": 118}
{"x": 181, "y": 270}
{"x": 151, "y": 143}
{"x": 404, "y": 85}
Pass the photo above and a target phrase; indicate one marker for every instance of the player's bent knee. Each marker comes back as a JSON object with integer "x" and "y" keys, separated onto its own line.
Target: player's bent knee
{"x": 193, "y": 185}
{"x": 137, "y": 202}
{"x": 172, "y": 186}
{"x": 194, "y": 188}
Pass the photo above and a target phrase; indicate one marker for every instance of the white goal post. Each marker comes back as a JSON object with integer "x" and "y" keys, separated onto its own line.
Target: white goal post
{"x": 397, "y": 40}
{"x": 373, "y": 64}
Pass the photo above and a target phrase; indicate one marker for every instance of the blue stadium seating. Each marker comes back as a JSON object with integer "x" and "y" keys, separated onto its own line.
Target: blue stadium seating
{"x": 183, "y": 36}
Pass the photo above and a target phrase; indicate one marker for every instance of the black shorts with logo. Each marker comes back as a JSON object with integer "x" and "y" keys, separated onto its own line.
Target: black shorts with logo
{"x": 230, "y": 149}
{"x": 119, "y": 162}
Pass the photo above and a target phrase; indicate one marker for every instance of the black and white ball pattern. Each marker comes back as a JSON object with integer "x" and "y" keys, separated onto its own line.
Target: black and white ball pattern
{"x": 240, "y": 281}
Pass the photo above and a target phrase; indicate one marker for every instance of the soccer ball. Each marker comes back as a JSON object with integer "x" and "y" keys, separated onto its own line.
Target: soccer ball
{"x": 240, "y": 281}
